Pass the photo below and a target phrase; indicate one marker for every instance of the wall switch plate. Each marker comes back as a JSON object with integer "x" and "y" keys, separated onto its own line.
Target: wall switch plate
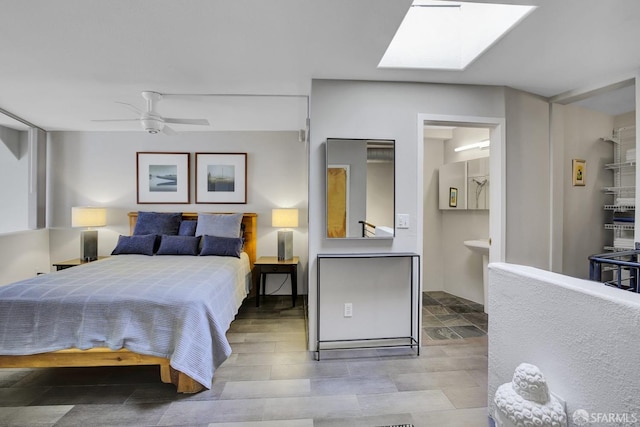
{"x": 402, "y": 221}
{"x": 348, "y": 309}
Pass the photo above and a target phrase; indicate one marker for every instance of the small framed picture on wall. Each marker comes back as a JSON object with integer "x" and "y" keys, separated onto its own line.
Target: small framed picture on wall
{"x": 453, "y": 197}
{"x": 221, "y": 178}
{"x": 162, "y": 177}
{"x": 578, "y": 172}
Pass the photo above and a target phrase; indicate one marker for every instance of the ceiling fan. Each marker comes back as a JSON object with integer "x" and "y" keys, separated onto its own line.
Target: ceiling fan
{"x": 153, "y": 122}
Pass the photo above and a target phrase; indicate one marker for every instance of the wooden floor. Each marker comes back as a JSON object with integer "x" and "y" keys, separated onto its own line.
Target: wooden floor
{"x": 271, "y": 380}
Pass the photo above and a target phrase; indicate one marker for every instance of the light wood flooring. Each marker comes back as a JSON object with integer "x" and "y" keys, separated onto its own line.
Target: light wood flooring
{"x": 271, "y": 380}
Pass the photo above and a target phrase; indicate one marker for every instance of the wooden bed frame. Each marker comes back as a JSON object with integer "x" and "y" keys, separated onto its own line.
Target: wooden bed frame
{"x": 105, "y": 357}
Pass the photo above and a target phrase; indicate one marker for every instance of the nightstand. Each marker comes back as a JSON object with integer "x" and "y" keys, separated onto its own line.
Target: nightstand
{"x": 271, "y": 265}
{"x": 73, "y": 263}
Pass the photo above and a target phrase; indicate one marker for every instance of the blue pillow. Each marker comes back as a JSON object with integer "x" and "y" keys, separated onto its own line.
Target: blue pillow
{"x": 221, "y": 225}
{"x": 188, "y": 228}
{"x": 158, "y": 223}
{"x": 178, "y": 245}
{"x": 221, "y": 246}
{"x": 139, "y": 245}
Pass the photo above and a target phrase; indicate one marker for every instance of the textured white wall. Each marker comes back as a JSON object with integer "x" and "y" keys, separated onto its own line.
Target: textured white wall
{"x": 99, "y": 168}
{"x": 584, "y": 336}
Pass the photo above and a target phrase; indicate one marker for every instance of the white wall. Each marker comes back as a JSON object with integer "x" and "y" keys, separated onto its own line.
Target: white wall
{"x": 628, "y": 119}
{"x": 463, "y": 268}
{"x": 384, "y": 110}
{"x": 433, "y": 255}
{"x": 380, "y": 190}
{"x": 582, "y": 335}
{"x": 583, "y": 213}
{"x": 528, "y": 177}
{"x": 14, "y": 172}
{"x": 454, "y": 268}
{"x": 99, "y": 168}
{"x": 23, "y": 254}
{"x": 463, "y": 136}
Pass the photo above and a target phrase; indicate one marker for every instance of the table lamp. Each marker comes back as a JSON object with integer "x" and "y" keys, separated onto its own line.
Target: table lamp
{"x": 284, "y": 218}
{"x": 86, "y": 216}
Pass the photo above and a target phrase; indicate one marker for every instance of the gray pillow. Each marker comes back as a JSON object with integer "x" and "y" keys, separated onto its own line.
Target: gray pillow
{"x": 188, "y": 228}
{"x": 221, "y": 246}
{"x": 157, "y": 223}
{"x": 179, "y": 245}
{"x": 220, "y": 225}
{"x": 139, "y": 245}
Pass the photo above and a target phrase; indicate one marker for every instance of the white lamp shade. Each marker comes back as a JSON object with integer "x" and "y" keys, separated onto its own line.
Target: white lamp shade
{"x": 284, "y": 218}
{"x": 86, "y": 216}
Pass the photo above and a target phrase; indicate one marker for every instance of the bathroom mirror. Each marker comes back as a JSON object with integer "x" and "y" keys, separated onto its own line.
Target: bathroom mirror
{"x": 360, "y": 186}
{"x": 478, "y": 183}
{"x": 464, "y": 185}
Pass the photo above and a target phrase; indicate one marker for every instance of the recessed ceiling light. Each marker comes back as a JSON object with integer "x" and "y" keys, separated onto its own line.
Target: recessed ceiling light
{"x": 449, "y": 35}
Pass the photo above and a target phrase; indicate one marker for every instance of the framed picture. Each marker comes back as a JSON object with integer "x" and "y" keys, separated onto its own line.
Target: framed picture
{"x": 453, "y": 197}
{"x": 578, "y": 171}
{"x": 221, "y": 177}
{"x": 162, "y": 177}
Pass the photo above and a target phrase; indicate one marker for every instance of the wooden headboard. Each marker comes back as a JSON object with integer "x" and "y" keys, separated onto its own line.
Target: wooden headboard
{"x": 250, "y": 230}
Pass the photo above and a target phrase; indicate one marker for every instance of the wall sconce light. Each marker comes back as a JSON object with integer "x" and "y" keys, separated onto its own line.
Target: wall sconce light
{"x": 284, "y": 218}
{"x": 86, "y": 216}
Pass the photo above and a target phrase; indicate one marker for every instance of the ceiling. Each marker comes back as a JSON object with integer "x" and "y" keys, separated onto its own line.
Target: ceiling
{"x": 65, "y": 63}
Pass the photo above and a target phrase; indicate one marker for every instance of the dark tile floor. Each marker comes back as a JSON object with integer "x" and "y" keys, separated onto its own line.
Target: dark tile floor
{"x": 447, "y": 317}
{"x": 272, "y": 380}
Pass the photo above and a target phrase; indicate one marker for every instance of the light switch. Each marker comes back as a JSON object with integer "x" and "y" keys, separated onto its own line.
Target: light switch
{"x": 402, "y": 221}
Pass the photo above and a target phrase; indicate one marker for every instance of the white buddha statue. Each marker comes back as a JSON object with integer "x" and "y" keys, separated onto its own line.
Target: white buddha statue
{"x": 526, "y": 402}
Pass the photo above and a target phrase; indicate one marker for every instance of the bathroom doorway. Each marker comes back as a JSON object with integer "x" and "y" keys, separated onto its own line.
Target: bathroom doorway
{"x": 461, "y": 212}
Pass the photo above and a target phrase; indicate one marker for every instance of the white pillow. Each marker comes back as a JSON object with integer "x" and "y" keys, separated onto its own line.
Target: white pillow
{"x": 220, "y": 225}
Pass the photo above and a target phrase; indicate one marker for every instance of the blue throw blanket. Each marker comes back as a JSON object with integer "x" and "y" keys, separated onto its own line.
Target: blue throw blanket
{"x": 176, "y": 307}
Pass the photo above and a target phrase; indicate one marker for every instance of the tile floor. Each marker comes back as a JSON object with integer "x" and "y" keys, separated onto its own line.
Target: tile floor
{"x": 271, "y": 380}
{"x": 446, "y": 317}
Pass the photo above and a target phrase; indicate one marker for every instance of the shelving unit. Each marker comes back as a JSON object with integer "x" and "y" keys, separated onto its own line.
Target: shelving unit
{"x": 623, "y": 191}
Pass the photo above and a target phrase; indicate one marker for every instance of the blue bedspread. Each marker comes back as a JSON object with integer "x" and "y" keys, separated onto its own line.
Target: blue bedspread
{"x": 176, "y": 307}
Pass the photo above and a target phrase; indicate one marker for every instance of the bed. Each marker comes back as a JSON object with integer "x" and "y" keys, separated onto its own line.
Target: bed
{"x": 184, "y": 317}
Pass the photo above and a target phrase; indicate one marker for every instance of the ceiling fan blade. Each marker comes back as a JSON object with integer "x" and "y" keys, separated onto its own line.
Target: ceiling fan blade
{"x": 168, "y": 131}
{"x": 202, "y": 122}
{"x": 131, "y": 107}
{"x": 117, "y": 120}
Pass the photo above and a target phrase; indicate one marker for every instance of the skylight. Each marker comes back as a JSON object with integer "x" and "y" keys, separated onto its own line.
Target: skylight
{"x": 449, "y": 34}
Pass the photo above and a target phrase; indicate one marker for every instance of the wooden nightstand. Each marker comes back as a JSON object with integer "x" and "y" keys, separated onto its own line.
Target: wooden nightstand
{"x": 73, "y": 263}
{"x": 271, "y": 265}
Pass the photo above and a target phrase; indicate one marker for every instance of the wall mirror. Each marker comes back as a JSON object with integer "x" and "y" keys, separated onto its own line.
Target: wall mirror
{"x": 360, "y": 188}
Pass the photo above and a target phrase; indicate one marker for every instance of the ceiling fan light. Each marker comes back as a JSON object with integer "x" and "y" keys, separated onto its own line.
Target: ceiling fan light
{"x": 152, "y": 126}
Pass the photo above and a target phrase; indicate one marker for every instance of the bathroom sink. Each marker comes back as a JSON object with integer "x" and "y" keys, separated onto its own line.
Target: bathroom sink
{"x": 479, "y": 246}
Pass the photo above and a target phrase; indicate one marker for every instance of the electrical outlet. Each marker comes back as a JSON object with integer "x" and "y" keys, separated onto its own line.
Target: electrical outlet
{"x": 348, "y": 309}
